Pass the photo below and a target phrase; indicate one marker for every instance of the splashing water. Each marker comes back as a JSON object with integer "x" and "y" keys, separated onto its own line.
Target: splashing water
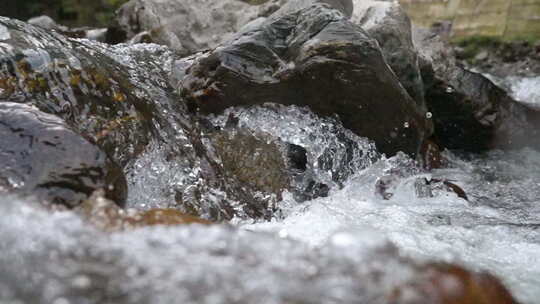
{"x": 355, "y": 245}
{"x": 318, "y": 253}
{"x": 497, "y": 228}
{"x": 522, "y": 89}
{"x": 333, "y": 152}
{"x": 526, "y": 91}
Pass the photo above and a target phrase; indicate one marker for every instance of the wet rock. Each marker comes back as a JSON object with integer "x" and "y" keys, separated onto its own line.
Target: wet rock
{"x": 119, "y": 98}
{"x": 452, "y": 284}
{"x": 256, "y": 164}
{"x": 315, "y": 57}
{"x": 106, "y": 215}
{"x": 42, "y": 157}
{"x": 165, "y": 217}
{"x": 316, "y": 153}
{"x": 188, "y": 26}
{"x": 431, "y": 157}
{"x": 297, "y": 156}
{"x": 445, "y": 185}
{"x": 102, "y": 213}
{"x": 264, "y": 165}
{"x": 387, "y": 22}
{"x": 470, "y": 112}
{"x": 85, "y": 84}
{"x": 242, "y": 151}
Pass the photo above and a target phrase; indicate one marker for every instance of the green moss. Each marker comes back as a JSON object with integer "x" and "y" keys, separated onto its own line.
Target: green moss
{"x": 475, "y": 44}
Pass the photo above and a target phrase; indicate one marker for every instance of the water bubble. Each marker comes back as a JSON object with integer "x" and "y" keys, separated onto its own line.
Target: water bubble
{"x": 449, "y": 90}
{"x": 429, "y": 115}
{"x": 406, "y": 124}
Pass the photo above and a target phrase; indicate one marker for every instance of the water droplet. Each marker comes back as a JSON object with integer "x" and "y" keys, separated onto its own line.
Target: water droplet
{"x": 429, "y": 115}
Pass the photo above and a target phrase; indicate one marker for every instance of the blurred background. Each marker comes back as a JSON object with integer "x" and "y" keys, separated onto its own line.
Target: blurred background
{"x": 507, "y": 20}
{"x": 72, "y": 13}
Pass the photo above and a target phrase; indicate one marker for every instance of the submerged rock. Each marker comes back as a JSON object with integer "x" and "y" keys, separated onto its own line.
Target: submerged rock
{"x": 104, "y": 214}
{"x": 188, "y": 26}
{"x": 42, "y": 157}
{"x": 257, "y": 164}
{"x": 312, "y": 56}
{"x": 267, "y": 165}
{"x": 319, "y": 152}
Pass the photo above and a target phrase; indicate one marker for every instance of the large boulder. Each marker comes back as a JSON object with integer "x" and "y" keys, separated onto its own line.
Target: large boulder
{"x": 42, "y": 157}
{"x": 309, "y": 54}
{"x": 119, "y": 98}
{"x": 388, "y": 23}
{"x": 187, "y": 25}
{"x": 469, "y": 111}
{"x": 98, "y": 90}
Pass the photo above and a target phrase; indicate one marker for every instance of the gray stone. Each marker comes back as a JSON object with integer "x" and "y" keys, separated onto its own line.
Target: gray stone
{"x": 45, "y": 22}
{"x": 42, "y": 157}
{"x": 313, "y": 56}
{"x": 469, "y": 111}
{"x": 189, "y": 25}
{"x": 388, "y": 23}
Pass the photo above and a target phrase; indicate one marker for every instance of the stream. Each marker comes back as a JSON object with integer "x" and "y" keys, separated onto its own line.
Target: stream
{"x": 359, "y": 241}
{"x": 312, "y": 251}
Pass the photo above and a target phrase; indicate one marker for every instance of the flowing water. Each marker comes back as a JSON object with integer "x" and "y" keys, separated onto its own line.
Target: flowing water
{"x": 318, "y": 251}
{"x": 354, "y": 245}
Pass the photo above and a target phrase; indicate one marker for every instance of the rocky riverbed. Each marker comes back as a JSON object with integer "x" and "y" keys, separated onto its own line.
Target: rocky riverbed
{"x": 309, "y": 151}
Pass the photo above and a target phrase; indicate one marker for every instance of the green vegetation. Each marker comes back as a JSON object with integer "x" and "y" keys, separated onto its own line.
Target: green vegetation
{"x": 67, "y": 12}
{"x": 475, "y": 44}
{"x": 477, "y": 49}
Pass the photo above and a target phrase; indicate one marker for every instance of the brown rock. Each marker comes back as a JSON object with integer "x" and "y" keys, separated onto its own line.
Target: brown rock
{"x": 165, "y": 217}
{"x": 107, "y": 216}
{"x": 451, "y": 284}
